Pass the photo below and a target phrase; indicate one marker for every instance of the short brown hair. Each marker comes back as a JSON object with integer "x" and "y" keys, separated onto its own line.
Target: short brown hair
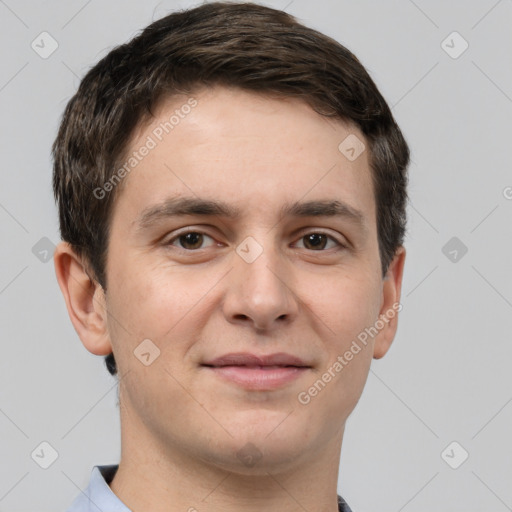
{"x": 244, "y": 45}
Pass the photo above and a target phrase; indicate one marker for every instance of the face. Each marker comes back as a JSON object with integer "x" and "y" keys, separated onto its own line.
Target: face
{"x": 244, "y": 247}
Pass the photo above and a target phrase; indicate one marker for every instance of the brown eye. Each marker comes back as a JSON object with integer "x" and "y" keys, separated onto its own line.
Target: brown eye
{"x": 315, "y": 241}
{"x": 190, "y": 241}
{"x": 318, "y": 241}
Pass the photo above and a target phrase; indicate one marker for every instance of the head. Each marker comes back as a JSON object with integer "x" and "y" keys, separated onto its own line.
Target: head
{"x": 240, "y": 106}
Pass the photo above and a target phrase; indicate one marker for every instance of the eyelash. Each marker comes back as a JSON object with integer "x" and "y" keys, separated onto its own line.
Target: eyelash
{"x": 184, "y": 233}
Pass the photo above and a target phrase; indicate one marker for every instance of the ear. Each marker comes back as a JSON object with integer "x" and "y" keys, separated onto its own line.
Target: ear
{"x": 390, "y": 304}
{"x": 85, "y": 300}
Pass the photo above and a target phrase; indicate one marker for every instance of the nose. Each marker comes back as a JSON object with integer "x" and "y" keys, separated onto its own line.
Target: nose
{"x": 260, "y": 292}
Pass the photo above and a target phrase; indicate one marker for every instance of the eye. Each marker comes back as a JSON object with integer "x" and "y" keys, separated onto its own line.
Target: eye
{"x": 189, "y": 240}
{"x": 317, "y": 241}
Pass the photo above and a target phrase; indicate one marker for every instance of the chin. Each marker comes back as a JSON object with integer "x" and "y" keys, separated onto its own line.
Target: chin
{"x": 258, "y": 457}
{"x": 266, "y": 445}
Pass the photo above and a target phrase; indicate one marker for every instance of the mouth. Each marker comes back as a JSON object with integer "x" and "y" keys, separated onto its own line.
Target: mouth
{"x": 258, "y": 372}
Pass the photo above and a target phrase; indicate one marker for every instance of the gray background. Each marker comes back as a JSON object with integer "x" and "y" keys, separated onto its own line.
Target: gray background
{"x": 447, "y": 377}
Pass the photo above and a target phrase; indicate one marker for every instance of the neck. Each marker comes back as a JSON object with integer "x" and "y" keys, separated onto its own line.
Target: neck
{"x": 167, "y": 479}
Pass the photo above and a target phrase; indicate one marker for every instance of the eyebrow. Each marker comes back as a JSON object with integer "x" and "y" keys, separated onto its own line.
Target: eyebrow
{"x": 182, "y": 206}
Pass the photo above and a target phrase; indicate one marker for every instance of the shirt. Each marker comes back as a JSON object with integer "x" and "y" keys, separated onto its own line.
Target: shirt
{"x": 99, "y": 497}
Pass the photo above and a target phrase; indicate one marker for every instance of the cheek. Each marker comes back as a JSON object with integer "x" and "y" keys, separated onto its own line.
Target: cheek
{"x": 346, "y": 303}
{"x": 349, "y": 306}
{"x": 155, "y": 300}
{"x": 164, "y": 304}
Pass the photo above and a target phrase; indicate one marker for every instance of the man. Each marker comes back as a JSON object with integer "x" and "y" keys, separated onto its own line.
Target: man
{"x": 231, "y": 189}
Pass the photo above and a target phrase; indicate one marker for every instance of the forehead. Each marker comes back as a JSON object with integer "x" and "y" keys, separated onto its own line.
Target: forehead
{"x": 248, "y": 149}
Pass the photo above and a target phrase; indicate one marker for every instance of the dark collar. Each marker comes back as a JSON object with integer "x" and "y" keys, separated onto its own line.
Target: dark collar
{"x": 342, "y": 505}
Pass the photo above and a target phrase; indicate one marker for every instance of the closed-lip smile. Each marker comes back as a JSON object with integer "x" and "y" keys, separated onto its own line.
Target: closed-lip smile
{"x": 248, "y": 359}
{"x": 258, "y": 372}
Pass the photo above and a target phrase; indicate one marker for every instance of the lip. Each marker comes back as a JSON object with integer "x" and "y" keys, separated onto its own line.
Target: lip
{"x": 248, "y": 359}
{"x": 258, "y": 372}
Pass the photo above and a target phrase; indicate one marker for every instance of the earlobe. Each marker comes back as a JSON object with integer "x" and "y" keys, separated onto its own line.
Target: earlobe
{"x": 85, "y": 300}
{"x": 391, "y": 291}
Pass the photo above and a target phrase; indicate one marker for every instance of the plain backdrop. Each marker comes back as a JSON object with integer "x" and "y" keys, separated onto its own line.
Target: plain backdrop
{"x": 447, "y": 378}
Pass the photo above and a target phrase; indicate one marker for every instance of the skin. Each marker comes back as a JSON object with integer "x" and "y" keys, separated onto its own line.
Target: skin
{"x": 183, "y": 426}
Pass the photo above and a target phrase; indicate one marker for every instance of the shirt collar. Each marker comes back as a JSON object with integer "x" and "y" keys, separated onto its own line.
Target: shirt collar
{"x": 99, "y": 497}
